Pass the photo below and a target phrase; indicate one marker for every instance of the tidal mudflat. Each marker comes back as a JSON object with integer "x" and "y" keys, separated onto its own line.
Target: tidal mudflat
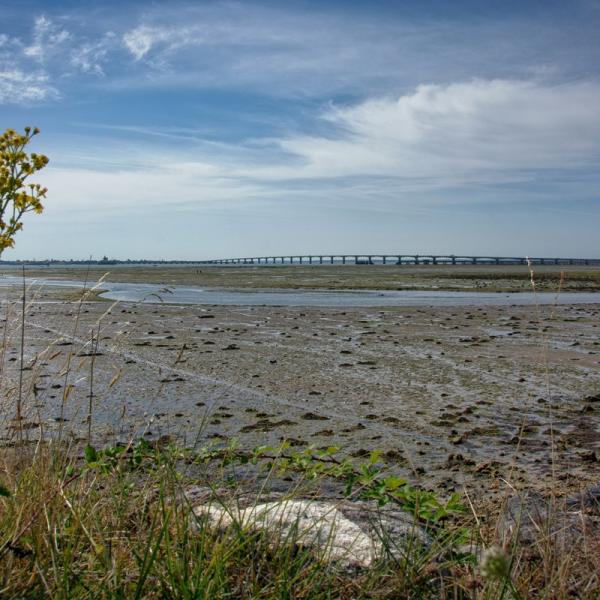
{"x": 503, "y": 278}
{"x": 451, "y": 395}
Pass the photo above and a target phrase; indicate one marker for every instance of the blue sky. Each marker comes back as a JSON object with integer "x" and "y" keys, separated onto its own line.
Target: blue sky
{"x": 209, "y": 129}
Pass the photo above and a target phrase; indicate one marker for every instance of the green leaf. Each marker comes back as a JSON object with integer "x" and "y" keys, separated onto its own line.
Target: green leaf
{"x": 374, "y": 456}
{"x": 393, "y": 483}
{"x": 90, "y": 454}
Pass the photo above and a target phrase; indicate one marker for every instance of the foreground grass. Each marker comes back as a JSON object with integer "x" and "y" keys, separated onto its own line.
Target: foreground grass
{"x": 122, "y": 529}
{"x": 117, "y": 525}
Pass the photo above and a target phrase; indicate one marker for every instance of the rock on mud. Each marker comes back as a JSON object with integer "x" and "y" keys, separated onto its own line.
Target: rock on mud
{"x": 346, "y": 534}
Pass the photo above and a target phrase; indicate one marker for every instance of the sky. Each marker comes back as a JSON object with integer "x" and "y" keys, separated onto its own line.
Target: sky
{"x": 196, "y": 130}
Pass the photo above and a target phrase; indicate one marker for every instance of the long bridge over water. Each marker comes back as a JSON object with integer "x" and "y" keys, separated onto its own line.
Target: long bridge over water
{"x": 325, "y": 259}
{"x": 399, "y": 259}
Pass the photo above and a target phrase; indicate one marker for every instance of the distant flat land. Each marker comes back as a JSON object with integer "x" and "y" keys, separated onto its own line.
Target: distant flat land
{"x": 337, "y": 277}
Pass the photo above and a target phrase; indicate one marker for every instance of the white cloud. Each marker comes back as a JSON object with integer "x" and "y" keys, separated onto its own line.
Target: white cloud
{"x": 47, "y": 38}
{"x": 83, "y": 192}
{"x": 139, "y": 41}
{"x": 462, "y": 129}
{"x": 290, "y": 52}
{"x": 23, "y": 74}
{"x": 89, "y": 57}
{"x": 17, "y": 86}
{"x": 471, "y": 136}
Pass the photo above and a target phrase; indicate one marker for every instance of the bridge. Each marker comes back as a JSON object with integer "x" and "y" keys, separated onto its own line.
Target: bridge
{"x": 399, "y": 259}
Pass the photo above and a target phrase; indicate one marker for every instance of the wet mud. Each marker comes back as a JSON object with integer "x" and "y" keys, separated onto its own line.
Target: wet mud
{"x": 452, "y": 396}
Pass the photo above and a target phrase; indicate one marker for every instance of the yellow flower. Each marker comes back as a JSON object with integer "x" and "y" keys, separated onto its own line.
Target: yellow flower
{"x": 15, "y": 167}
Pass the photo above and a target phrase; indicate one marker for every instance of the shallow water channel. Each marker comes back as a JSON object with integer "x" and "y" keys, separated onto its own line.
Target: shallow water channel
{"x": 160, "y": 294}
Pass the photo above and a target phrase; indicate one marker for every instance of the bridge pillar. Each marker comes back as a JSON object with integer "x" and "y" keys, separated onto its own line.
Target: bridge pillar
{"x": 384, "y": 259}
{"x": 416, "y": 259}
{"x": 343, "y": 260}
{"x": 331, "y": 259}
{"x": 434, "y": 260}
{"x": 320, "y": 260}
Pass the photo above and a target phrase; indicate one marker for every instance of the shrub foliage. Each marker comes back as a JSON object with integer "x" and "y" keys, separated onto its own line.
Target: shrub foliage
{"x": 17, "y": 195}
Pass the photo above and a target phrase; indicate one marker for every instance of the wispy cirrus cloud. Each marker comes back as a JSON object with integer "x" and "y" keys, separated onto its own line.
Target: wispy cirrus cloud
{"x": 24, "y": 77}
{"x": 19, "y": 86}
{"x": 90, "y": 57}
{"x": 291, "y": 52}
{"x": 48, "y": 38}
{"x": 141, "y": 39}
{"x": 481, "y": 133}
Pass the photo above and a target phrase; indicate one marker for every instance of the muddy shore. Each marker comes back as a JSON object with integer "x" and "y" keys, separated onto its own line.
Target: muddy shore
{"x": 453, "y": 396}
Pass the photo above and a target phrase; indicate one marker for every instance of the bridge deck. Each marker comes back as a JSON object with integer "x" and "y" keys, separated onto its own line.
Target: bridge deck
{"x": 400, "y": 259}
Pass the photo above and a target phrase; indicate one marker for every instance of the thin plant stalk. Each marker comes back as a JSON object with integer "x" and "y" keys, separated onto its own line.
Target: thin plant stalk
{"x": 19, "y": 415}
{"x": 70, "y": 354}
{"x": 94, "y": 349}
